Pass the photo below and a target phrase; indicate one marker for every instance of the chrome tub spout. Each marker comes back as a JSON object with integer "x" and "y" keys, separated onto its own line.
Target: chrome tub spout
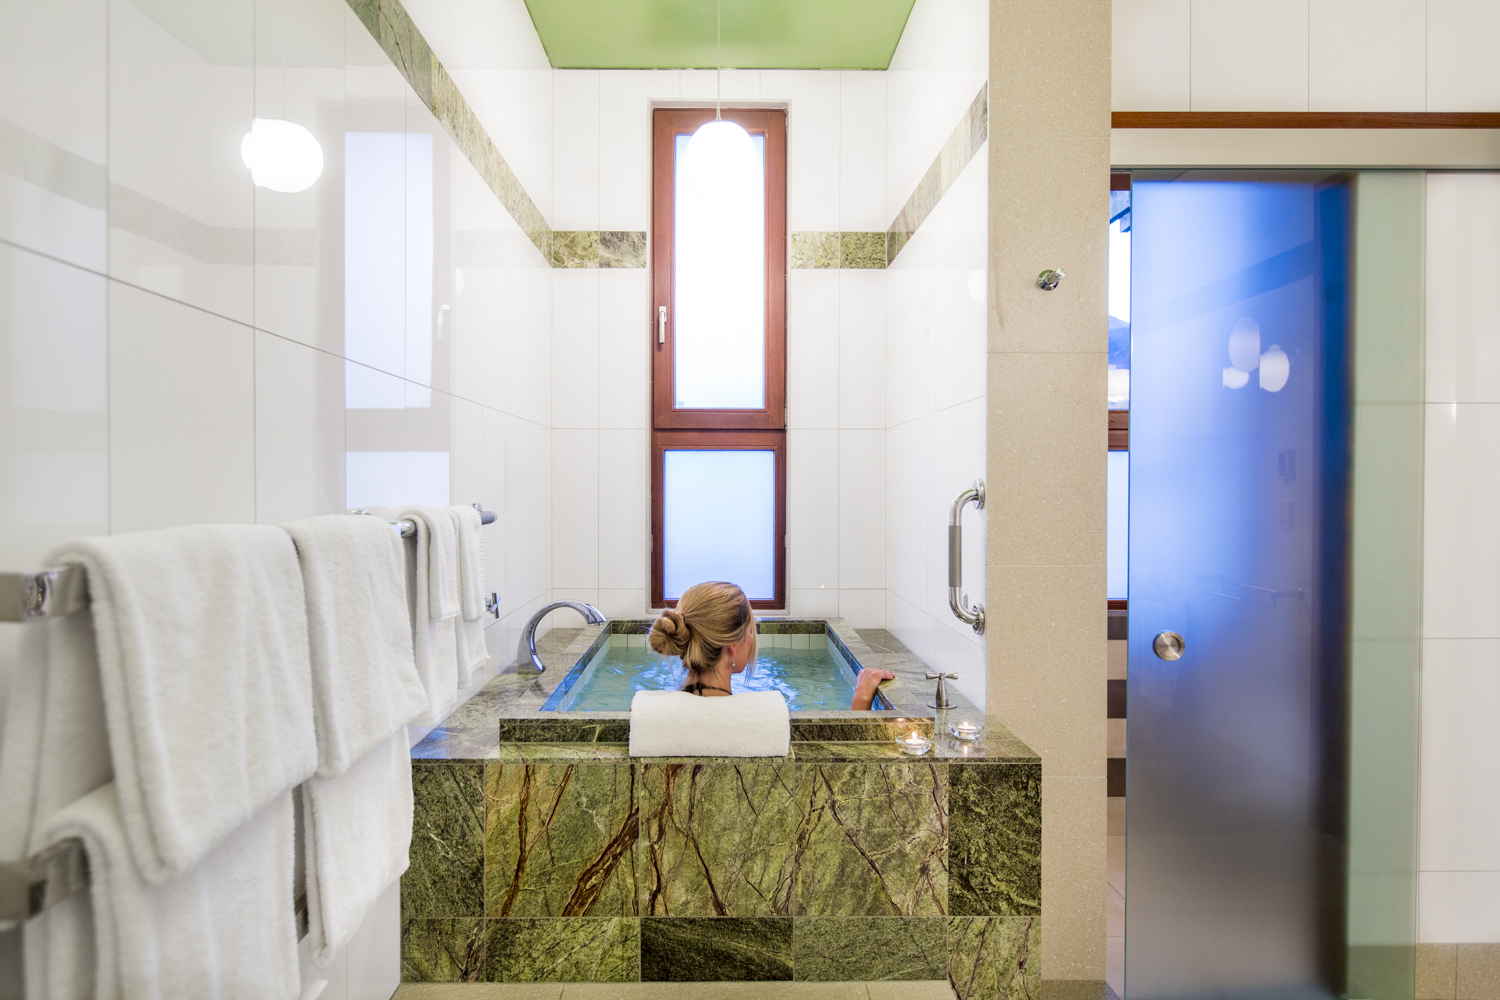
{"x": 591, "y": 614}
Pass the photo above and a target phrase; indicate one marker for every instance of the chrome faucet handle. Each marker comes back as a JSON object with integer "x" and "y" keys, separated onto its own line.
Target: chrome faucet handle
{"x": 941, "y": 698}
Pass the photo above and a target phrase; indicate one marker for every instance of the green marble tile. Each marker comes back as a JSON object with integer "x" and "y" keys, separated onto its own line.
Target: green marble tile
{"x": 790, "y": 627}
{"x": 874, "y": 840}
{"x": 621, "y": 248}
{"x": 717, "y": 839}
{"x": 446, "y": 874}
{"x": 578, "y": 753}
{"x": 895, "y": 239}
{"x": 858, "y": 730}
{"x": 442, "y": 951}
{"x": 814, "y": 250}
{"x": 560, "y": 840}
{"x": 995, "y": 839}
{"x": 630, "y": 626}
{"x": 861, "y": 949}
{"x": 811, "y": 752}
{"x": 564, "y": 729}
{"x": 564, "y": 950}
{"x": 995, "y": 958}
{"x": 715, "y": 949}
{"x": 575, "y": 248}
{"x": 862, "y": 250}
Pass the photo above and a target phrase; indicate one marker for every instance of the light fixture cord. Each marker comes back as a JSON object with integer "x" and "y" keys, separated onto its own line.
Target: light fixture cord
{"x": 718, "y": 58}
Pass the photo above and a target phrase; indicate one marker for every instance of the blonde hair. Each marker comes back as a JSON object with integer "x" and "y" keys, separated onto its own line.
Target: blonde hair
{"x": 708, "y": 617}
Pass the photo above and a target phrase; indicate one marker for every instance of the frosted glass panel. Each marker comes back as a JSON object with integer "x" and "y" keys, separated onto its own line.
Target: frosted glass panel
{"x": 1119, "y": 301}
{"x": 1117, "y": 527}
{"x": 388, "y": 261}
{"x": 719, "y": 279}
{"x": 719, "y": 520}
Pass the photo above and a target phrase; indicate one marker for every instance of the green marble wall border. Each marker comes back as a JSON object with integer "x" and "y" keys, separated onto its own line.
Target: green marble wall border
{"x": 588, "y": 248}
{"x": 848, "y": 250}
{"x": 970, "y": 133}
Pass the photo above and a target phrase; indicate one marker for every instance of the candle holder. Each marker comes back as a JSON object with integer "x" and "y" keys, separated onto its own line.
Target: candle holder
{"x": 914, "y": 745}
{"x": 968, "y": 732}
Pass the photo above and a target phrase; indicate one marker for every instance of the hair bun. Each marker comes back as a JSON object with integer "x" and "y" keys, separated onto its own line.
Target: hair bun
{"x": 669, "y": 634}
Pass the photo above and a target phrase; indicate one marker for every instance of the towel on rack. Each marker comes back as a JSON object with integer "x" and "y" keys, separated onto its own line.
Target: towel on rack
{"x": 442, "y": 559}
{"x": 678, "y": 724}
{"x": 364, "y": 679}
{"x": 434, "y": 641}
{"x": 356, "y": 833}
{"x": 201, "y": 636}
{"x": 225, "y": 927}
{"x": 472, "y": 652}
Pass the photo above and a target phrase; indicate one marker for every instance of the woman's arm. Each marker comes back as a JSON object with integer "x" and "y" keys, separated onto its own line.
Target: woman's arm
{"x": 865, "y": 684}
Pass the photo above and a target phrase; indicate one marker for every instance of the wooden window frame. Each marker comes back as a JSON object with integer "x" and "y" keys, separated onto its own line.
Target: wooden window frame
{"x": 717, "y": 430}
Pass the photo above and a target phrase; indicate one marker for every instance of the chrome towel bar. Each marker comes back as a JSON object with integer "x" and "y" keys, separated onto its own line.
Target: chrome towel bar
{"x": 957, "y": 600}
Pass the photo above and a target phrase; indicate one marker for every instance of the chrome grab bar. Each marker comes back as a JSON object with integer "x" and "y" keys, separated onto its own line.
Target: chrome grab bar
{"x": 591, "y": 614}
{"x": 957, "y": 600}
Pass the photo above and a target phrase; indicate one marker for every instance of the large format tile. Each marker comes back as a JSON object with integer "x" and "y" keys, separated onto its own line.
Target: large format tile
{"x": 1367, "y": 56}
{"x": 1151, "y": 55}
{"x": 834, "y": 949}
{"x": 442, "y": 951}
{"x": 875, "y": 839}
{"x": 446, "y": 876}
{"x": 299, "y": 431}
{"x": 1249, "y": 57}
{"x": 1461, "y": 73}
{"x": 560, "y": 840}
{"x": 1461, "y": 541}
{"x": 717, "y": 839}
{"x": 990, "y": 958}
{"x": 569, "y": 950}
{"x": 995, "y": 839}
{"x": 1460, "y": 801}
{"x": 716, "y": 949}
{"x": 1463, "y": 249}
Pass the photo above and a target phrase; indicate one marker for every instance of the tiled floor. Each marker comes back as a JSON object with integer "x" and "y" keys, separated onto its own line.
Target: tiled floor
{"x": 1114, "y": 913}
{"x": 675, "y": 991}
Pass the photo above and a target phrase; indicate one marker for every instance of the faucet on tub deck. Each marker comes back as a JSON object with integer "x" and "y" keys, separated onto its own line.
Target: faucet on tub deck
{"x": 590, "y": 614}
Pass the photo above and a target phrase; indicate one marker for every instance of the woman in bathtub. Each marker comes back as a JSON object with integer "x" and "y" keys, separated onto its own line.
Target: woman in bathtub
{"x": 713, "y": 630}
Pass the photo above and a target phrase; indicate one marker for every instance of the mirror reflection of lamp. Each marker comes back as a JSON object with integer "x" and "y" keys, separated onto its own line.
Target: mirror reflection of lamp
{"x": 1244, "y": 353}
{"x": 281, "y": 155}
{"x": 1275, "y": 369}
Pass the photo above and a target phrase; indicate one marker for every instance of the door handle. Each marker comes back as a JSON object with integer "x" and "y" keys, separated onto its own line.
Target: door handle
{"x": 1168, "y": 645}
{"x": 957, "y": 600}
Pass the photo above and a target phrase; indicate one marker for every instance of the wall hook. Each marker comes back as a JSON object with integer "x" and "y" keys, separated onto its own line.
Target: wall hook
{"x": 1049, "y": 279}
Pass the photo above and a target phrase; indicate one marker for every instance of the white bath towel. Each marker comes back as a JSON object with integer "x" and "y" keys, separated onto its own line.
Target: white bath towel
{"x": 201, "y": 636}
{"x": 434, "y": 642}
{"x": 441, "y": 559}
{"x": 472, "y": 653}
{"x": 678, "y": 724}
{"x": 223, "y": 928}
{"x": 364, "y": 679}
{"x": 356, "y": 833}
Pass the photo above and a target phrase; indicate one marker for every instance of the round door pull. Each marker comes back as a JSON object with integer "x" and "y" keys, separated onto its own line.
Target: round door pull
{"x": 1168, "y": 645}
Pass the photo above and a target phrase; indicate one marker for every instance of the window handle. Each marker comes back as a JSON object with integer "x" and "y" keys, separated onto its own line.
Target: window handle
{"x": 661, "y": 324}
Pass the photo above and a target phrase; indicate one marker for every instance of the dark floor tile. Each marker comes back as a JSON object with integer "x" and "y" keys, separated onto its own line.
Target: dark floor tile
{"x": 442, "y": 951}
{"x": 857, "y": 949}
{"x": 1115, "y": 699}
{"x": 563, "y": 950}
{"x": 995, "y": 839}
{"x": 446, "y": 875}
{"x": 995, "y": 958}
{"x": 1115, "y": 777}
{"x": 715, "y": 949}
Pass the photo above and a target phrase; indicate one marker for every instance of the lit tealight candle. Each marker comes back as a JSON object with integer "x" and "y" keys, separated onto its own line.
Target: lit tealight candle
{"x": 915, "y": 744}
{"x": 965, "y": 730}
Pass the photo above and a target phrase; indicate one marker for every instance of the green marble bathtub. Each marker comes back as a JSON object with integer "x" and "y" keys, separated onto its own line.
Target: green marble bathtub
{"x": 544, "y": 853}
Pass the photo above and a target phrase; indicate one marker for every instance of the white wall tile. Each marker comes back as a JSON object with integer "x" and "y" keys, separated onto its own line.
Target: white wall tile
{"x": 625, "y": 98}
{"x": 1461, "y": 570}
{"x": 466, "y": 442}
{"x": 1463, "y": 256}
{"x": 812, "y": 348}
{"x": 737, "y": 85}
{"x": 813, "y": 603}
{"x": 862, "y": 148}
{"x": 1367, "y": 55}
{"x": 1249, "y": 56}
{"x": 1458, "y": 907}
{"x": 623, "y": 603}
{"x": 626, "y": 343}
{"x": 299, "y": 431}
{"x": 1462, "y": 72}
{"x": 908, "y": 464}
{"x": 861, "y": 509}
{"x": 182, "y": 414}
{"x": 1151, "y": 65}
{"x": 812, "y": 147}
{"x": 861, "y": 350}
{"x": 575, "y": 510}
{"x": 812, "y": 509}
{"x": 1460, "y": 806}
{"x": 575, "y": 347}
{"x": 863, "y": 608}
{"x": 575, "y": 149}
{"x": 624, "y": 508}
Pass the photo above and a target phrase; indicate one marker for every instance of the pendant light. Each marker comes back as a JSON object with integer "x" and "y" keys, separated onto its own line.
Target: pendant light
{"x": 280, "y": 154}
{"x": 721, "y": 148}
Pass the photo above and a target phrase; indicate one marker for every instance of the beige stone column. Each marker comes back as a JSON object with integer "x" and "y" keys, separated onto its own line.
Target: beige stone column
{"x": 1049, "y": 108}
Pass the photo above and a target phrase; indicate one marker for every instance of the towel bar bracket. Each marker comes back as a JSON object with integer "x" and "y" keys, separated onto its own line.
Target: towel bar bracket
{"x": 58, "y": 590}
{"x": 30, "y": 886}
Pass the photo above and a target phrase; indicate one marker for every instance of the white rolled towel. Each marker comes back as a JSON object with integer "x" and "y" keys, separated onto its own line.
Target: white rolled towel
{"x": 678, "y": 724}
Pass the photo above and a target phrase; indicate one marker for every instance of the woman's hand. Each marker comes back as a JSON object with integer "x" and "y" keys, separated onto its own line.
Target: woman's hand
{"x": 866, "y": 683}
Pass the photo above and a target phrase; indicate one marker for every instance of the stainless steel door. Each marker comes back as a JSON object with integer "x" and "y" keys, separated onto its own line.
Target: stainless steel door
{"x": 1238, "y": 486}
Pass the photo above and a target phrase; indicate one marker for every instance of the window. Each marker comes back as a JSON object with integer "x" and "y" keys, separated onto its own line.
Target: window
{"x": 1118, "y": 506}
{"x": 718, "y": 335}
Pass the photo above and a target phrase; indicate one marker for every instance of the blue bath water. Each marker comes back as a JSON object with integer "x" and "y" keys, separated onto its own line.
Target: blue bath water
{"x": 809, "y": 679}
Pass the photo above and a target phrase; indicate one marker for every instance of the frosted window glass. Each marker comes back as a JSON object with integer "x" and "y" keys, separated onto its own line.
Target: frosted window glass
{"x": 719, "y": 520}
{"x": 395, "y": 478}
{"x": 1117, "y": 527}
{"x": 388, "y": 262}
{"x": 719, "y": 280}
{"x": 1119, "y": 300}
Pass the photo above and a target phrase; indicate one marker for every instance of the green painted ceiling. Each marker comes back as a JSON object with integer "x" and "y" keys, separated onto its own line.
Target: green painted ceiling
{"x": 758, "y": 34}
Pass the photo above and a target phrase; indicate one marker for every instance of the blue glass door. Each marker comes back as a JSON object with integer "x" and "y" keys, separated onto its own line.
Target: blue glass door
{"x": 1236, "y": 844}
